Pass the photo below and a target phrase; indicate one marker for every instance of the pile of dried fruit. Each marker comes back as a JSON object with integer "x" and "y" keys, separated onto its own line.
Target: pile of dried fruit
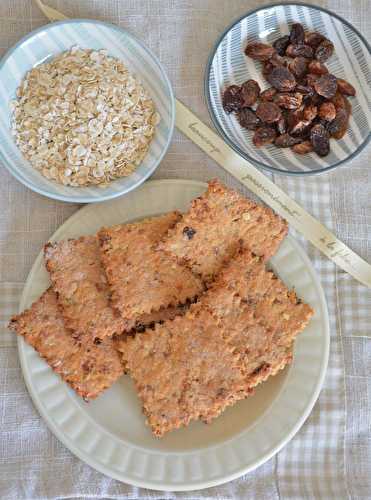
{"x": 305, "y": 105}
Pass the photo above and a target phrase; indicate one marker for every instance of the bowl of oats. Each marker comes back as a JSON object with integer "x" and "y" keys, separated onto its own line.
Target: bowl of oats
{"x": 87, "y": 111}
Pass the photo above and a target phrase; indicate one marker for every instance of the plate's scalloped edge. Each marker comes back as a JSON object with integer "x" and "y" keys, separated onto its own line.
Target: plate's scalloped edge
{"x": 135, "y": 465}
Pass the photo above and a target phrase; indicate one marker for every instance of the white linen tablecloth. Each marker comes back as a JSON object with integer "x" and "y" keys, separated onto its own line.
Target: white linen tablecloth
{"x": 330, "y": 457}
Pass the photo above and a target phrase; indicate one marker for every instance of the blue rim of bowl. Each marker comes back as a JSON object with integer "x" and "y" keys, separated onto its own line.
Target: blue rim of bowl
{"x": 88, "y": 199}
{"x": 232, "y": 144}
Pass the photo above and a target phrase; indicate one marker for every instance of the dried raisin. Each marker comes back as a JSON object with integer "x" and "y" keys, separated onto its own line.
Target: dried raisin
{"x": 282, "y": 79}
{"x": 348, "y": 106}
{"x": 311, "y": 79}
{"x": 327, "y": 111}
{"x": 317, "y": 100}
{"x": 326, "y": 85}
{"x": 305, "y": 103}
{"x": 297, "y": 125}
{"x": 286, "y": 141}
{"x": 306, "y": 90}
{"x": 248, "y": 119}
{"x": 319, "y": 137}
{"x": 289, "y": 101}
{"x": 282, "y": 125}
{"x": 299, "y": 67}
{"x": 268, "y": 94}
{"x": 297, "y": 33}
{"x": 313, "y": 39}
{"x": 281, "y": 44}
{"x": 268, "y": 112}
{"x": 324, "y": 50}
{"x": 189, "y": 232}
{"x": 277, "y": 60}
{"x": 317, "y": 68}
{"x": 295, "y": 50}
{"x": 250, "y": 91}
{"x": 267, "y": 69}
{"x": 310, "y": 112}
{"x": 339, "y": 124}
{"x": 338, "y": 100}
{"x": 264, "y": 135}
{"x": 346, "y": 88}
{"x": 303, "y": 148}
{"x": 259, "y": 51}
{"x": 232, "y": 100}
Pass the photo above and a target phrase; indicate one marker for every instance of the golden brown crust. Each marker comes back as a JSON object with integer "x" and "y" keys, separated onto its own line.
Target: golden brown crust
{"x": 239, "y": 333}
{"x": 81, "y": 285}
{"x": 144, "y": 280}
{"x": 88, "y": 367}
{"x": 216, "y": 224}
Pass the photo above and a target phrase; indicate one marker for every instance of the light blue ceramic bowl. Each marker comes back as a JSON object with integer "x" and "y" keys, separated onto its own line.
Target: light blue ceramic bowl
{"x": 350, "y": 61}
{"x": 50, "y": 40}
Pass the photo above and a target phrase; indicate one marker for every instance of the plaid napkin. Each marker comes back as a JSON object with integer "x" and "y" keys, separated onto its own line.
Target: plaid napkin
{"x": 330, "y": 457}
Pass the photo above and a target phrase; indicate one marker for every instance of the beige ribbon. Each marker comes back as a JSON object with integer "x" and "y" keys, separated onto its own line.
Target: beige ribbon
{"x": 212, "y": 144}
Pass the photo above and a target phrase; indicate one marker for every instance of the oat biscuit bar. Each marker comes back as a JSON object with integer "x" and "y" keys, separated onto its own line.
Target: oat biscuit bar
{"x": 216, "y": 224}
{"x": 264, "y": 316}
{"x": 88, "y": 366}
{"x": 143, "y": 279}
{"x": 81, "y": 286}
{"x": 183, "y": 371}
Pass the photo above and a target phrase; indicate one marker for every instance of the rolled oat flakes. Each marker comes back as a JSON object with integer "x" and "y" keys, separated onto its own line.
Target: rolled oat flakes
{"x": 83, "y": 118}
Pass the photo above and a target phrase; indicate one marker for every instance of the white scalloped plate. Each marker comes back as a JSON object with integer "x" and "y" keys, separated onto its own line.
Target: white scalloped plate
{"x": 110, "y": 434}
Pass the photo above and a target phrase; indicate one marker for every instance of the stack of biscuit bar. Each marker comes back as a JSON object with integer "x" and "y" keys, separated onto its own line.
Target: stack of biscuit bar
{"x": 239, "y": 333}
{"x": 183, "y": 303}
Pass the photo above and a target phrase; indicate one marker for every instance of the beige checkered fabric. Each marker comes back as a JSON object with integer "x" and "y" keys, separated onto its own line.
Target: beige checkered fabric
{"x": 330, "y": 457}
